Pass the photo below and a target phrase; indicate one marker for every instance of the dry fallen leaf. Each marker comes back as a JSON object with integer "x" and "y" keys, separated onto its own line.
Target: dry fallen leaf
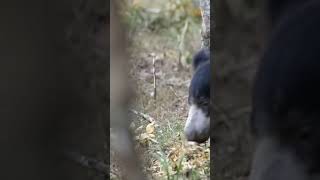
{"x": 150, "y": 128}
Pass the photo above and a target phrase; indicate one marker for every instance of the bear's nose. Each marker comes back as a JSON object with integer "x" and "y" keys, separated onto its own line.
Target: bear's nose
{"x": 195, "y": 136}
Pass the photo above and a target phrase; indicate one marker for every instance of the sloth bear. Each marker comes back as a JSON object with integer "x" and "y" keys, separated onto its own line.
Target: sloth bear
{"x": 197, "y": 127}
{"x": 286, "y": 95}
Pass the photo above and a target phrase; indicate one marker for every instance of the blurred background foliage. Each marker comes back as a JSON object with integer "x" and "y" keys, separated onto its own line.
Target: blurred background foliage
{"x": 166, "y": 18}
{"x": 161, "y": 16}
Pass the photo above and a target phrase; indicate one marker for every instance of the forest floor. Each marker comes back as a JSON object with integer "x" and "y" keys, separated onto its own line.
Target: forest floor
{"x": 158, "y": 119}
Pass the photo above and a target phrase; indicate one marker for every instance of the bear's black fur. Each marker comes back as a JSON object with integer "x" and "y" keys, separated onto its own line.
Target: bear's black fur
{"x": 197, "y": 126}
{"x": 286, "y": 99}
{"x": 199, "y": 89}
{"x": 277, "y": 9}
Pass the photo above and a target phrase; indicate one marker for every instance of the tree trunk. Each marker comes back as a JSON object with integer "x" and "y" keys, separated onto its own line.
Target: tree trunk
{"x": 205, "y": 11}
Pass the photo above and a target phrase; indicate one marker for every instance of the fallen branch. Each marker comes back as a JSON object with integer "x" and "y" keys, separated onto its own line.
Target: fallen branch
{"x": 143, "y": 115}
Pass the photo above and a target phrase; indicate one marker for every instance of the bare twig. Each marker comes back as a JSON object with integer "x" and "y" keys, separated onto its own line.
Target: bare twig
{"x": 143, "y": 115}
{"x": 154, "y": 77}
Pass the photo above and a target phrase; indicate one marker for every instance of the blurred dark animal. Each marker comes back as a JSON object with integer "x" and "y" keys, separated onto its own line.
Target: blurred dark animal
{"x": 286, "y": 99}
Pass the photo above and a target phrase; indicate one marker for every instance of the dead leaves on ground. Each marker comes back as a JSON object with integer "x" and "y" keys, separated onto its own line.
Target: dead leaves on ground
{"x": 147, "y": 136}
{"x": 184, "y": 157}
{"x": 179, "y": 158}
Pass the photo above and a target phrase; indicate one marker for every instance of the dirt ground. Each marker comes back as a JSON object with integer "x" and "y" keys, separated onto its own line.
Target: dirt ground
{"x": 170, "y": 107}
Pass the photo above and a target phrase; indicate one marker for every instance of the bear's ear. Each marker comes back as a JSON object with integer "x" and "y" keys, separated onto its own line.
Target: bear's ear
{"x": 201, "y": 57}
